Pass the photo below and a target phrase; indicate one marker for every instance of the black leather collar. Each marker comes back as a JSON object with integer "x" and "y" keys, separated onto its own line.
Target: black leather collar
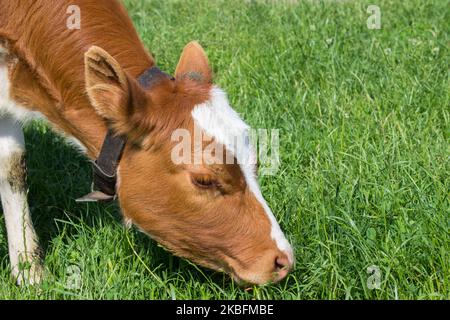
{"x": 107, "y": 163}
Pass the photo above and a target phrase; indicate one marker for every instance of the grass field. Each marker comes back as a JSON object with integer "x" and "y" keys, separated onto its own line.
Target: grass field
{"x": 364, "y": 119}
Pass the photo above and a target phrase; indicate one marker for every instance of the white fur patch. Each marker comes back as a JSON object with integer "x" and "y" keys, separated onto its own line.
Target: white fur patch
{"x": 11, "y": 142}
{"x": 220, "y": 121}
{"x": 22, "y": 239}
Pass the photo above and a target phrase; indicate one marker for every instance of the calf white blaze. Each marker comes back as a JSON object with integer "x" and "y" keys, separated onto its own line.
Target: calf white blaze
{"x": 220, "y": 121}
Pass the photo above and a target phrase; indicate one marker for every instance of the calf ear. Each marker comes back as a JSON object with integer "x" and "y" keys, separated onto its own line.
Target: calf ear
{"x": 111, "y": 92}
{"x": 194, "y": 64}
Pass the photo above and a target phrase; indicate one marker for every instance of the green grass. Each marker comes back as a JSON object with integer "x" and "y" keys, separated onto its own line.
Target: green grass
{"x": 364, "y": 119}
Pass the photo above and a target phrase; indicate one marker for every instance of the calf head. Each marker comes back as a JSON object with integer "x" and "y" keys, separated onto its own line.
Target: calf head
{"x": 211, "y": 212}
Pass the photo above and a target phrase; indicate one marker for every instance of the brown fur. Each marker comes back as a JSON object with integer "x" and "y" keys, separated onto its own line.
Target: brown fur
{"x": 84, "y": 80}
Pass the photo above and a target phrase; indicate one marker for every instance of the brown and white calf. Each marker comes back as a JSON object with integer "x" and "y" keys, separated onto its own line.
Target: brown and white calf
{"x": 83, "y": 82}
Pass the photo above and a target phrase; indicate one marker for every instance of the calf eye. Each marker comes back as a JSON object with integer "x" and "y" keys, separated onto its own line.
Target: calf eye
{"x": 204, "y": 181}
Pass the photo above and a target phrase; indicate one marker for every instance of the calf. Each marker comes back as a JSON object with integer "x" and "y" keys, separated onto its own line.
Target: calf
{"x": 98, "y": 86}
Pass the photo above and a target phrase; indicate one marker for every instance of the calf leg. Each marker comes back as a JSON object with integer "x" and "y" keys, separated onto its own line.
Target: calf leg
{"x": 22, "y": 240}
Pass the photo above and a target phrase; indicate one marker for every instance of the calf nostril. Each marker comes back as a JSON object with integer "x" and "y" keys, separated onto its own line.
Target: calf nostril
{"x": 282, "y": 264}
{"x": 282, "y": 268}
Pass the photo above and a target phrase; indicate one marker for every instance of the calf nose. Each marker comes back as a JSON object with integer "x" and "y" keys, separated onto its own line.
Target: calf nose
{"x": 282, "y": 267}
